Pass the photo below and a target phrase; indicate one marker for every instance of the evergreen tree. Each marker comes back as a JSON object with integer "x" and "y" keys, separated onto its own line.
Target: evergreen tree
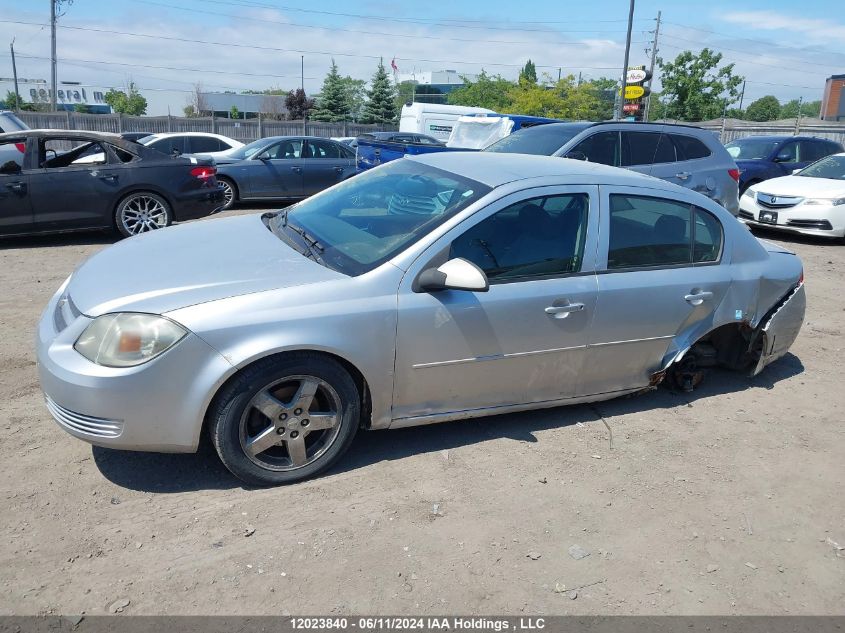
{"x": 333, "y": 104}
{"x": 528, "y": 74}
{"x": 381, "y": 99}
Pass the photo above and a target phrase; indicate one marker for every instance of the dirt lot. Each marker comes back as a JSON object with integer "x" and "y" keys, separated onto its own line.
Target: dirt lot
{"x": 727, "y": 500}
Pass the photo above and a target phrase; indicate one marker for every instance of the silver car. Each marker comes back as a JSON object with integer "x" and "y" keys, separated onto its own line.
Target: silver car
{"x": 682, "y": 154}
{"x": 442, "y": 287}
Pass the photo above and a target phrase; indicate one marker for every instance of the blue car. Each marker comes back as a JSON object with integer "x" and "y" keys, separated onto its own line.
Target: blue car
{"x": 762, "y": 157}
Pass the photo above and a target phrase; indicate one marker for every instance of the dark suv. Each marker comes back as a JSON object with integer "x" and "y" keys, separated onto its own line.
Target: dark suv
{"x": 685, "y": 155}
{"x": 762, "y": 157}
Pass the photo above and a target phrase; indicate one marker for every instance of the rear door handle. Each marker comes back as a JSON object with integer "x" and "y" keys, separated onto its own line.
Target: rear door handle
{"x": 17, "y": 187}
{"x": 339, "y": 170}
{"x": 109, "y": 178}
{"x": 697, "y": 298}
{"x": 561, "y": 312}
{"x": 298, "y": 170}
{"x": 683, "y": 175}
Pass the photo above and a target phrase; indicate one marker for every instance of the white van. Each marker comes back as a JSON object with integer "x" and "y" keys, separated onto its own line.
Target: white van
{"x": 434, "y": 119}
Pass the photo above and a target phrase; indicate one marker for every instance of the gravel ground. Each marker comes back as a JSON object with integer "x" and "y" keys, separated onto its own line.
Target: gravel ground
{"x": 728, "y": 500}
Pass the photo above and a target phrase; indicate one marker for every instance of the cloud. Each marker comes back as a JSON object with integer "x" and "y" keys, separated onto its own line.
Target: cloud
{"x": 771, "y": 21}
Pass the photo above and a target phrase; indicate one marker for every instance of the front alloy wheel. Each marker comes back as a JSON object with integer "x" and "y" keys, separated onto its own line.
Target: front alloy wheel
{"x": 285, "y": 419}
{"x": 142, "y": 212}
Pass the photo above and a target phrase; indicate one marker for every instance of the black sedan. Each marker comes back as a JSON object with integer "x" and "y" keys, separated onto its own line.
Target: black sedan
{"x": 283, "y": 168}
{"x": 52, "y": 181}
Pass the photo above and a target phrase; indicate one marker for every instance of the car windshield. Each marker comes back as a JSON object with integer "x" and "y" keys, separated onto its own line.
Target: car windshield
{"x": 832, "y": 167}
{"x": 249, "y": 150}
{"x": 543, "y": 140}
{"x": 751, "y": 148}
{"x": 362, "y": 222}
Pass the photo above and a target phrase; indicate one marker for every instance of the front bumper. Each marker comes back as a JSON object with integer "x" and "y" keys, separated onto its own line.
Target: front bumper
{"x": 801, "y": 219}
{"x": 157, "y": 406}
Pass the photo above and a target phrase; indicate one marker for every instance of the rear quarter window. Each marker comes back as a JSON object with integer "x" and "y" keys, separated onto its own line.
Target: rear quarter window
{"x": 689, "y": 147}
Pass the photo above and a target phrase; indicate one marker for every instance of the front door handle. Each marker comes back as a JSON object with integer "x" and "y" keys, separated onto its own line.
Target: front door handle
{"x": 696, "y": 298}
{"x": 561, "y": 312}
{"x": 17, "y": 187}
{"x": 683, "y": 175}
{"x": 109, "y": 178}
{"x": 339, "y": 170}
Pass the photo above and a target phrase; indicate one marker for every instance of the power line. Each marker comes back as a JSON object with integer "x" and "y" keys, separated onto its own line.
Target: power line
{"x": 734, "y": 50}
{"x": 302, "y": 51}
{"x": 455, "y": 23}
{"x": 361, "y": 32}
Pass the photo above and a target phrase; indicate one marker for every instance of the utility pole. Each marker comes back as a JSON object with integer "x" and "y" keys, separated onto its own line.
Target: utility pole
{"x": 742, "y": 94}
{"x": 625, "y": 64}
{"x": 53, "y": 73}
{"x": 15, "y": 75}
{"x": 651, "y": 66}
{"x": 302, "y": 73}
{"x": 798, "y": 118}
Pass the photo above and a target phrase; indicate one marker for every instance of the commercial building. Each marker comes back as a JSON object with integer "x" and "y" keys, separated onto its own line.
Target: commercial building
{"x": 432, "y": 86}
{"x": 833, "y": 101}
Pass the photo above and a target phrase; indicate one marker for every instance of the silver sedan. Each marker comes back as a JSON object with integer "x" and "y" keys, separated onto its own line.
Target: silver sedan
{"x": 437, "y": 288}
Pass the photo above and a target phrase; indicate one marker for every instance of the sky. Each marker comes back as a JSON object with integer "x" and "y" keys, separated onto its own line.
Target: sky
{"x": 782, "y": 47}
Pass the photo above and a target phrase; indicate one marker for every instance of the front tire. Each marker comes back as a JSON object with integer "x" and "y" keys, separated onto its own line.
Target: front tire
{"x": 285, "y": 419}
{"x": 142, "y": 212}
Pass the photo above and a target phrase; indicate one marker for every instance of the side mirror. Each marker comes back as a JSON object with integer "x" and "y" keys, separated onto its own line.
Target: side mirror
{"x": 263, "y": 157}
{"x": 456, "y": 274}
{"x": 784, "y": 158}
{"x": 576, "y": 155}
{"x": 796, "y": 171}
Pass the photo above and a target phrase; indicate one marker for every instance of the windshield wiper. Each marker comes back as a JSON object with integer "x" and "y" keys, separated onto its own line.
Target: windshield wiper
{"x": 314, "y": 248}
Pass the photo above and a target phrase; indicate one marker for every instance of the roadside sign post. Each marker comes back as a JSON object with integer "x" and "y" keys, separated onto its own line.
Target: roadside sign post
{"x": 634, "y": 92}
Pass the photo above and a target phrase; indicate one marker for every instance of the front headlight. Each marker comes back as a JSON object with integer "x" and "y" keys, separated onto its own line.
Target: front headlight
{"x": 127, "y": 339}
{"x": 828, "y": 201}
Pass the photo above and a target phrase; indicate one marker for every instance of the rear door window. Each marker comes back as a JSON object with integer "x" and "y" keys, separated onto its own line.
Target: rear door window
{"x": 201, "y": 144}
{"x": 603, "y": 147}
{"x": 646, "y": 232}
{"x": 55, "y": 153}
{"x": 322, "y": 149}
{"x": 170, "y": 145}
{"x": 689, "y": 147}
{"x": 640, "y": 148}
{"x": 708, "y": 237}
{"x": 665, "y": 152}
{"x": 11, "y": 156}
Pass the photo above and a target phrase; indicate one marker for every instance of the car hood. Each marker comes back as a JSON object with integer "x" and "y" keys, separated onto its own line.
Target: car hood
{"x": 185, "y": 265}
{"x": 803, "y": 186}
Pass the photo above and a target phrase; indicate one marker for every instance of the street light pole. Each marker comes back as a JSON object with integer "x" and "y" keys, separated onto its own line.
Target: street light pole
{"x": 15, "y": 76}
{"x": 625, "y": 65}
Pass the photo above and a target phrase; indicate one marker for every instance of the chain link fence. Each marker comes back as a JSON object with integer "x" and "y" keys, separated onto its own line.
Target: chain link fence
{"x": 243, "y": 130}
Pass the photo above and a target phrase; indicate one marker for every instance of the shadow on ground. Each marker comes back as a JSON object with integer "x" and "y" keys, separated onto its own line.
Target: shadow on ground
{"x": 167, "y": 473}
{"x": 82, "y": 238}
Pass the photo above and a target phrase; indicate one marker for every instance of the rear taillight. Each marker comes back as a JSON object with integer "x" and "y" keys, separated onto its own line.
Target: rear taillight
{"x": 204, "y": 172}
{"x": 734, "y": 173}
{"x": 801, "y": 278}
{"x": 21, "y": 147}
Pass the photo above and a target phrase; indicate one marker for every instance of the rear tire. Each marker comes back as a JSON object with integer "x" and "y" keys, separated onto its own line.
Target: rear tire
{"x": 230, "y": 192}
{"x": 285, "y": 418}
{"x": 142, "y": 212}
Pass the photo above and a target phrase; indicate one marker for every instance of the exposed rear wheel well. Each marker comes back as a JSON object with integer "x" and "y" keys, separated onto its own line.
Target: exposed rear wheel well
{"x": 728, "y": 346}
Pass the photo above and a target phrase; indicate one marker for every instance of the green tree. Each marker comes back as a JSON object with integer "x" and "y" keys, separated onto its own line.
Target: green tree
{"x": 356, "y": 96}
{"x": 528, "y": 74}
{"x": 604, "y": 90}
{"x": 129, "y": 102}
{"x": 14, "y": 102}
{"x": 234, "y": 113}
{"x": 789, "y": 110}
{"x": 381, "y": 99}
{"x": 563, "y": 99}
{"x": 484, "y": 92}
{"x": 764, "y": 109}
{"x": 695, "y": 87}
{"x": 332, "y": 104}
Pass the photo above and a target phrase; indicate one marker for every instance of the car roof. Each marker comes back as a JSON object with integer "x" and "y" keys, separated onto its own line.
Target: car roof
{"x": 783, "y": 137}
{"x": 172, "y": 134}
{"x": 114, "y": 139}
{"x": 495, "y": 169}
